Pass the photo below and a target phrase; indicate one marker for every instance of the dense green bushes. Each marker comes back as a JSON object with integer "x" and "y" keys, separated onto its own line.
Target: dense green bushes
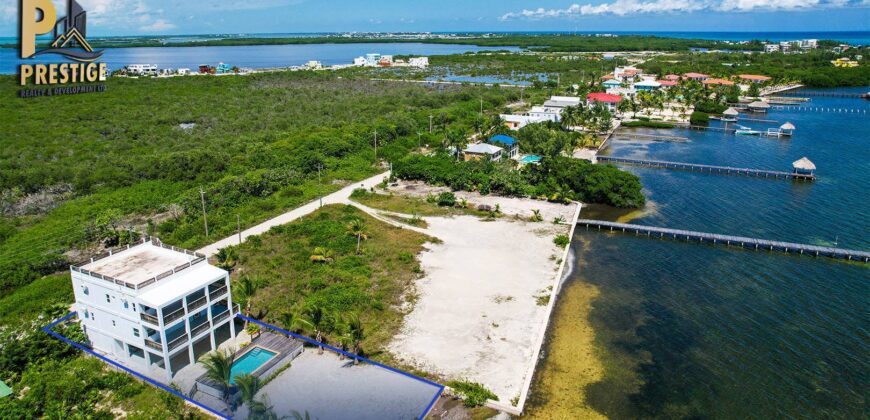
{"x": 699, "y": 118}
{"x": 649, "y": 124}
{"x": 556, "y": 178}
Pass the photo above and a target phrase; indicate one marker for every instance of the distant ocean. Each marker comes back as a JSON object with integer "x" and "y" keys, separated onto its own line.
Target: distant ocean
{"x": 850, "y": 37}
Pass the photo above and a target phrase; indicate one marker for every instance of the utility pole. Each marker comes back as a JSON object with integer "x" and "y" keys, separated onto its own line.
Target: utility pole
{"x": 419, "y": 140}
{"x": 376, "y": 145}
{"x": 239, "y": 227}
{"x": 430, "y": 124}
{"x": 204, "y": 217}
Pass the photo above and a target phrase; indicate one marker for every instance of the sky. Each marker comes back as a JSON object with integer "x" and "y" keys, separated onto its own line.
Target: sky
{"x": 167, "y": 17}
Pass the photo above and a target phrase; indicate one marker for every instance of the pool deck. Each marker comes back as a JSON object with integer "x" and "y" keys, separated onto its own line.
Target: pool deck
{"x": 282, "y": 345}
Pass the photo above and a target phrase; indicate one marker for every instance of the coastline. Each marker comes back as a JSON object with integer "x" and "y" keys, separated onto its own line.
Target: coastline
{"x": 571, "y": 359}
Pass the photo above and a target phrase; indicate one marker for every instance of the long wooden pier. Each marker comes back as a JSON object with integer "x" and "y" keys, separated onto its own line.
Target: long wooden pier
{"x": 651, "y": 137}
{"x": 825, "y": 94}
{"x": 758, "y": 173}
{"x": 728, "y": 240}
{"x": 818, "y": 109}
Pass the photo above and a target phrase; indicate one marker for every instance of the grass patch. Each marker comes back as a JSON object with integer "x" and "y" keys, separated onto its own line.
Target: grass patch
{"x": 475, "y": 393}
{"x": 415, "y": 221}
{"x": 27, "y": 301}
{"x": 410, "y": 205}
{"x": 374, "y": 284}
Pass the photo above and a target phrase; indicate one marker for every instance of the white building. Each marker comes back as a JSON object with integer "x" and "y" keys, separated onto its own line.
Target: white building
{"x": 183, "y": 71}
{"x": 543, "y": 113}
{"x": 152, "y": 307}
{"x": 771, "y": 48}
{"x": 142, "y": 69}
{"x": 313, "y": 65}
{"x": 372, "y": 59}
{"x": 360, "y": 62}
{"x": 419, "y": 62}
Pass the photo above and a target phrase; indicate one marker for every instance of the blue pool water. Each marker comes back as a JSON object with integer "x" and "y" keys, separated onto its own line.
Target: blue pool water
{"x": 250, "y": 362}
{"x": 531, "y": 159}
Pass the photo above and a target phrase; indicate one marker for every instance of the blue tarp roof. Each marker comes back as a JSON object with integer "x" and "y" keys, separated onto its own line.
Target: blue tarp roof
{"x": 503, "y": 139}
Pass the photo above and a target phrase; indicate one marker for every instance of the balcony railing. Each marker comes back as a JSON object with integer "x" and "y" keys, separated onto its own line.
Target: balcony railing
{"x": 150, "y": 319}
{"x": 221, "y": 316}
{"x": 217, "y": 293}
{"x": 199, "y": 329}
{"x": 153, "y": 344}
{"x": 176, "y": 315}
{"x": 178, "y": 341}
{"x": 196, "y": 304}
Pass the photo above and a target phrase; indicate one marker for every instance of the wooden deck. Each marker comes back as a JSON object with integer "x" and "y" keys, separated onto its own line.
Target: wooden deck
{"x": 725, "y": 170}
{"x": 728, "y": 240}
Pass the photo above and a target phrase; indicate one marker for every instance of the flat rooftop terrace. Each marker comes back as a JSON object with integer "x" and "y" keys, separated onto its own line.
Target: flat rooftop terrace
{"x": 142, "y": 264}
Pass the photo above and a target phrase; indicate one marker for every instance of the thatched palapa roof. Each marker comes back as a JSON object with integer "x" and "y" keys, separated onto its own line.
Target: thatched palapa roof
{"x": 804, "y": 163}
{"x": 787, "y": 126}
{"x": 731, "y": 112}
{"x": 759, "y": 104}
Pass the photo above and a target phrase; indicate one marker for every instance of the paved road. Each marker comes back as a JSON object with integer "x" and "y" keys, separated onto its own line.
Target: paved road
{"x": 338, "y": 197}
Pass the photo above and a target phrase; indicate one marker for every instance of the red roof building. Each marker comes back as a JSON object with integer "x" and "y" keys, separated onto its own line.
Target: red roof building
{"x": 667, "y": 83}
{"x": 672, "y": 77}
{"x": 603, "y": 97}
{"x": 696, "y": 76}
{"x": 721, "y": 82}
{"x": 754, "y": 78}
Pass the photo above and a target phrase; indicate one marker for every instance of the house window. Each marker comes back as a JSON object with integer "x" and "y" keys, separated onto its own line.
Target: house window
{"x": 107, "y": 298}
{"x": 87, "y": 315}
{"x": 85, "y": 290}
{"x": 136, "y": 332}
{"x": 113, "y": 322}
{"x": 126, "y": 305}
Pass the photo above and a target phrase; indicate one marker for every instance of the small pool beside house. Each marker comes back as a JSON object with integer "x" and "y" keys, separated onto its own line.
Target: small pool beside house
{"x": 249, "y": 362}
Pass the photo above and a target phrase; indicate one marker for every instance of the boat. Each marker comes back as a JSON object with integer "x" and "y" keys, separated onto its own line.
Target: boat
{"x": 746, "y": 131}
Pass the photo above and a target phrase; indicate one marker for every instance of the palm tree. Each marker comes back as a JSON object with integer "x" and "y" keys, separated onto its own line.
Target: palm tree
{"x": 357, "y": 228}
{"x": 456, "y": 139}
{"x": 244, "y": 292}
{"x": 292, "y": 321}
{"x": 322, "y": 255}
{"x": 262, "y": 410}
{"x": 252, "y": 329}
{"x": 218, "y": 367}
{"x": 249, "y": 385}
{"x": 316, "y": 317}
{"x": 355, "y": 333}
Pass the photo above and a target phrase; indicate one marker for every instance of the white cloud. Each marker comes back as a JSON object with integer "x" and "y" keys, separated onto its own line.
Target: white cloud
{"x": 631, "y": 7}
{"x": 158, "y": 26}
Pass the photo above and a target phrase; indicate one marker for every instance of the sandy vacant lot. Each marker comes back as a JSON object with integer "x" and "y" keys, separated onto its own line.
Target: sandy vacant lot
{"x": 483, "y": 301}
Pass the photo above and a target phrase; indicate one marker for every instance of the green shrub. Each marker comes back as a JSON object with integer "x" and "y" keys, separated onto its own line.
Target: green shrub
{"x": 699, "y": 118}
{"x": 562, "y": 240}
{"x": 447, "y": 199}
{"x": 475, "y": 393}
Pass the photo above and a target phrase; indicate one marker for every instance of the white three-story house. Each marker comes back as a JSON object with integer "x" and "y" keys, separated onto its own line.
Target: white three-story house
{"x": 153, "y": 307}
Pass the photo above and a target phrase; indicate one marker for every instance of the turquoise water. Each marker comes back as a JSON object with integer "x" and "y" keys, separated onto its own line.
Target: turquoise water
{"x": 697, "y": 331}
{"x": 253, "y": 56}
{"x": 250, "y": 362}
{"x": 531, "y": 159}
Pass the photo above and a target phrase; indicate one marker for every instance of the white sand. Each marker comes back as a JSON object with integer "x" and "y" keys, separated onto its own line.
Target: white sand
{"x": 477, "y": 316}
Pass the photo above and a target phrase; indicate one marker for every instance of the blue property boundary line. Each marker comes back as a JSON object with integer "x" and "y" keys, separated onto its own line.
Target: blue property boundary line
{"x": 49, "y": 330}
{"x": 353, "y": 356}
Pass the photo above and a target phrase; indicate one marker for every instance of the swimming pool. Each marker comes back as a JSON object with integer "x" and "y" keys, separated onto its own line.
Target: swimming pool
{"x": 250, "y": 362}
{"x": 530, "y": 159}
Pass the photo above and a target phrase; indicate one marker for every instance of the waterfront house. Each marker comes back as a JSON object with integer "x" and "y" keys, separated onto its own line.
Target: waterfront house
{"x": 482, "y": 151}
{"x": 543, "y": 113}
{"x": 647, "y": 85}
{"x": 153, "y": 307}
{"x": 508, "y": 142}
{"x": 696, "y": 76}
{"x": 717, "y": 82}
{"x": 758, "y": 106}
{"x": 562, "y": 102}
{"x": 753, "y": 78}
{"x": 611, "y": 83}
{"x": 803, "y": 166}
{"x": 142, "y": 69}
{"x": 419, "y": 62}
{"x": 607, "y": 100}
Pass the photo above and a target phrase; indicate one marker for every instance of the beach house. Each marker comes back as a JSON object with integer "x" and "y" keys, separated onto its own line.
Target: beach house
{"x": 607, "y": 100}
{"x": 482, "y": 151}
{"x": 753, "y": 78}
{"x": 153, "y": 307}
{"x": 700, "y": 77}
{"x": 507, "y": 142}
